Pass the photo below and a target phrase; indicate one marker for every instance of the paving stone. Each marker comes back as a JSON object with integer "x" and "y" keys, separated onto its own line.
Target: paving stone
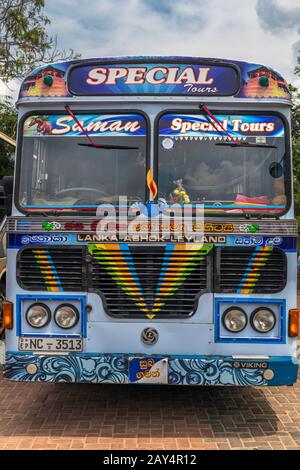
{"x": 43, "y": 416}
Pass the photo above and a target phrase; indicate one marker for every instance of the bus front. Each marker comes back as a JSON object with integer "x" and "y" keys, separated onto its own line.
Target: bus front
{"x": 151, "y": 237}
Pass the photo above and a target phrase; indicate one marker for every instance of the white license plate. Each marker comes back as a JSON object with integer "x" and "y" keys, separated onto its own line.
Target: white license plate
{"x": 50, "y": 344}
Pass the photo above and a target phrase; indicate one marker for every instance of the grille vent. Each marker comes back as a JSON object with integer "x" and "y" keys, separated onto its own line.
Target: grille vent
{"x": 154, "y": 280}
{"x": 52, "y": 269}
{"x": 160, "y": 280}
{"x": 250, "y": 270}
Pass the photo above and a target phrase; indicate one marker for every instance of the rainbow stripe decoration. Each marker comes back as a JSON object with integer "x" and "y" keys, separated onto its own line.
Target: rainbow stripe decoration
{"x": 151, "y": 185}
{"x": 48, "y": 270}
{"x": 252, "y": 273}
{"x": 168, "y": 283}
{"x": 122, "y": 270}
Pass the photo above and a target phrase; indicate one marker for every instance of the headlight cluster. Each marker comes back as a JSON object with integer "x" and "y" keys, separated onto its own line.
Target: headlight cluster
{"x": 262, "y": 319}
{"x": 234, "y": 319}
{"x": 65, "y": 316}
{"x": 38, "y": 315}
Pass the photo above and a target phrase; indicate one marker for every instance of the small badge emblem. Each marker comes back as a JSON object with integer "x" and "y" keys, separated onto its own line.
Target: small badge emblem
{"x": 149, "y": 336}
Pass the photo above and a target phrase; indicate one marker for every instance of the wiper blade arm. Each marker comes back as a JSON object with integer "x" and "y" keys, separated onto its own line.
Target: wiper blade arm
{"x": 70, "y": 112}
{"x": 92, "y": 143}
{"x": 120, "y": 147}
{"x": 234, "y": 142}
{"x": 217, "y": 124}
{"x": 247, "y": 144}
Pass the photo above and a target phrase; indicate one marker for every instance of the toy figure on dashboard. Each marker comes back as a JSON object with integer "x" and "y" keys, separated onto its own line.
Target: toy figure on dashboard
{"x": 179, "y": 194}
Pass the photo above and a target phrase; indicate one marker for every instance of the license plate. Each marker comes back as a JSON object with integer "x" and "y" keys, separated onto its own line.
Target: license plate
{"x": 50, "y": 344}
{"x": 148, "y": 370}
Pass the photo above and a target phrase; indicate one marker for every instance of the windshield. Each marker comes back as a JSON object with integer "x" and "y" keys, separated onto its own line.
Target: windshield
{"x": 61, "y": 171}
{"x": 199, "y": 163}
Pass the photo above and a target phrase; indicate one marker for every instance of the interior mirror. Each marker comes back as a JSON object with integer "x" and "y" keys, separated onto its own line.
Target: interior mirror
{"x": 276, "y": 170}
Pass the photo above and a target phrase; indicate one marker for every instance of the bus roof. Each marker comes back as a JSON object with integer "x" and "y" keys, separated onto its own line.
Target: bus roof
{"x": 155, "y": 75}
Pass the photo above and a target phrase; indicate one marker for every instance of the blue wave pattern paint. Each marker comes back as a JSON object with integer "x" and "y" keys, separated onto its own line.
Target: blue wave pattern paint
{"x": 212, "y": 372}
{"x": 63, "y": 125}
{"x": 108, "y": 368}
{"x": 191, "y": 125}
{"x": 71, "y": 368}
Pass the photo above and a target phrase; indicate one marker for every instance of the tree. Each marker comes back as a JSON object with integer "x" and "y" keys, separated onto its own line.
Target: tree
{"x": 296, "y": 141}
{"x": 8, "y": 124}
{"x": 24, "y": 42}
{"x": 24, "y": 45}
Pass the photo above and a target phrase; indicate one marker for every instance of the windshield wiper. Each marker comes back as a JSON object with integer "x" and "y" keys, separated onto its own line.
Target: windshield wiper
{"x": 234, "y": 142}
{"x": 92, "y": 143}
{"x": 247, "y": 144}
{"x": 218, "y": 125}
{"x": 102, "y": 146}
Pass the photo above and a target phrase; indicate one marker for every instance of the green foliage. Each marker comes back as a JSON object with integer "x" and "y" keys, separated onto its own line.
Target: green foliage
{"x": 8, "y": 124}
{"x": 24, "y": 45}
{"x": 296, "y": 144}
{"x": 24, "y": 42}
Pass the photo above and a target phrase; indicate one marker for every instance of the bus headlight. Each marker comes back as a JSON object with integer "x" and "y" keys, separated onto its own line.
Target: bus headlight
{"x": 66, "y": 316}
{"x": 38, "y": 315}
{"x": 263, "y": 320}
{"x": 234, "y": 319}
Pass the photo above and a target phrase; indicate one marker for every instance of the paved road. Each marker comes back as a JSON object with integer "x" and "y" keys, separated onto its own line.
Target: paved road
{"x": 86, "y": 416}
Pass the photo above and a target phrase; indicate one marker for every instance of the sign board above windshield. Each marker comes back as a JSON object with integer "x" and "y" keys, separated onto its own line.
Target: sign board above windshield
{"x": 154, "y": 76}
{"x": 199, "y": 126}
{"x": 154, "y": 79}
{"x": 95, "y": 124}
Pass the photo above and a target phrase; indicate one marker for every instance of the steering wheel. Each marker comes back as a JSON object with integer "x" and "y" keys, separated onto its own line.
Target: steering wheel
{"x": 68, "y": 190}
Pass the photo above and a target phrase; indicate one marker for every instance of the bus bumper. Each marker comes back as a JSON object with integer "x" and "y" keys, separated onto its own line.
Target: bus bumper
{"x": 171, "y": 370}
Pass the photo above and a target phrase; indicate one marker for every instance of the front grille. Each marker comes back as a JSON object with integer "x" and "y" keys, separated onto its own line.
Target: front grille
{"x": 250, "y": 270}
{"x": 152, "y": 280}
{"x": 52, "y": 269}
{"x": 139, "y": 280}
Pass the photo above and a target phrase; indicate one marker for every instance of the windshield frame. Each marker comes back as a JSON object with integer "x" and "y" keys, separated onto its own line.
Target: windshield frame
{"x": 220, "y": 111}
{"x": 77, "y": 112}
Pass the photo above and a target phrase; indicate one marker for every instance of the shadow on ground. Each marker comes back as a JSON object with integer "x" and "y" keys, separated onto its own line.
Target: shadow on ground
{"x": 128, "y": 411}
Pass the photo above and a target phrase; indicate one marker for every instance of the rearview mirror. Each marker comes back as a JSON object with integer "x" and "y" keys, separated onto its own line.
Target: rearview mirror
{"x": 276, "y": 170}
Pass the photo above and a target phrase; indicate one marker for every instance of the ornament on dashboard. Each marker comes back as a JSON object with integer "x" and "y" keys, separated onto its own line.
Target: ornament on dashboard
{"x": 179, "y": 194}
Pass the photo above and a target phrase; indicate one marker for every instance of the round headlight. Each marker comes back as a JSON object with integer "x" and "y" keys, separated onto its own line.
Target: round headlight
{"x": 263, "y": 320}
{"x": 66, "y": 316}
{"x": 234, "y": 319}
{"x": 38, "y": 315}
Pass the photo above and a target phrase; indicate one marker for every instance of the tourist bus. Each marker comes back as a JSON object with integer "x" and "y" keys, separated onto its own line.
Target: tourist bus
{"x": 151, "y": 235}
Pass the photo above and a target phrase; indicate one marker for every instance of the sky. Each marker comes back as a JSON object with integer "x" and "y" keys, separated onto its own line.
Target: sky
{"x": 262, "y": 31}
